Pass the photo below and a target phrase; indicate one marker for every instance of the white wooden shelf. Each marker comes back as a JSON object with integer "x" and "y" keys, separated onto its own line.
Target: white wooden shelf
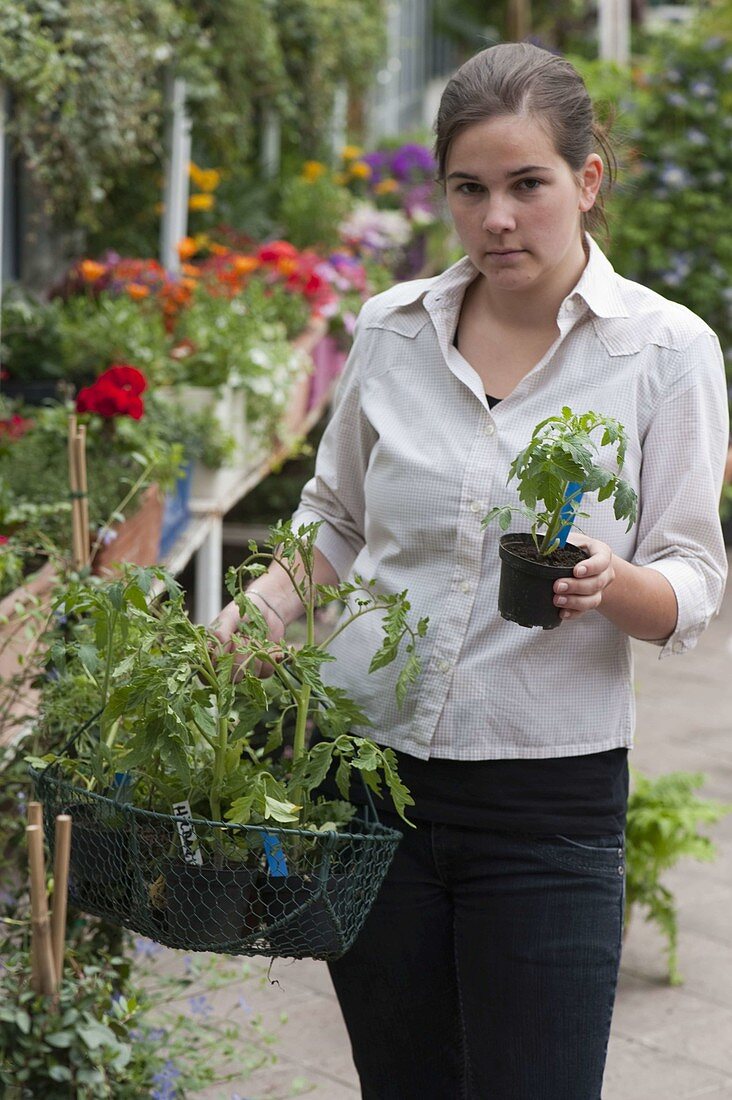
{"x": 203, "y": 536}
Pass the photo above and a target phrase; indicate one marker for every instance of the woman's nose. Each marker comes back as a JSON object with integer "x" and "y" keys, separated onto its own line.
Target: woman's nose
{"x": 499, "y": 217}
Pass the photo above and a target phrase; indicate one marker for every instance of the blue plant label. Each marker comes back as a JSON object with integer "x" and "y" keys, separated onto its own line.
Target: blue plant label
{"x": 276, "y": 862}
{"x": 187, "y": 833}
{"x": 573, "y": 496}
{"x": 121, "y": 786}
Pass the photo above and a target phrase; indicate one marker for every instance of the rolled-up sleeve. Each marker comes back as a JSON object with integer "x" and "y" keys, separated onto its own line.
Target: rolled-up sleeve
{"x": 335, "y": 494}
{"x": 679, "y": 530}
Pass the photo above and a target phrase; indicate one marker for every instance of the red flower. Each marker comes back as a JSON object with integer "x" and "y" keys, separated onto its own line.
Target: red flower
{"x": 273, "y": 251}
{"x": 3, "y": 539}
{"x": 15, "y": 426}
{"x": 115, "y": 393}
{"x": 126, "y": 378}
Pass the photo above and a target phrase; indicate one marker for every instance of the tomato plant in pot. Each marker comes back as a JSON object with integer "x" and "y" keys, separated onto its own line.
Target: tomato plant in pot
{"x": 229, "y": 845}
{"x": 559, "y": 466}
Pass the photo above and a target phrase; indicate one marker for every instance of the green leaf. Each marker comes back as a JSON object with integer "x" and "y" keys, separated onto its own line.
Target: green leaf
{"x": 284, "y": 812}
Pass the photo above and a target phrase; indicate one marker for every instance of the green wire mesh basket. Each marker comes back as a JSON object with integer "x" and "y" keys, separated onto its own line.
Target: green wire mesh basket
{"x": 213, "y": 886}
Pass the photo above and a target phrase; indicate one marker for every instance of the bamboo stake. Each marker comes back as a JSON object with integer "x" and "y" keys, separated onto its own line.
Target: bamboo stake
{"x": 35, "y": 813}
{"x": 35, "y": 817}
{"x": 60, "y": 891}
{"x": 44, "y": 973}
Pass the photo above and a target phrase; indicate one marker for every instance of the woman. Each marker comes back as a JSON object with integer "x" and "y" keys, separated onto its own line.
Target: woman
{"x": 488, "y": 966}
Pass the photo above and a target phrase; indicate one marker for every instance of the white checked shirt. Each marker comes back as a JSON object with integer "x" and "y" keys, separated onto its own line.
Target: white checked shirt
{"x": 413, "y": 458}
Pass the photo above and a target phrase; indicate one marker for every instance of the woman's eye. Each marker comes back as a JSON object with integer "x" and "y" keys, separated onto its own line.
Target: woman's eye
{"x": 530, "y": 184}
{"x": 469, "y": 188}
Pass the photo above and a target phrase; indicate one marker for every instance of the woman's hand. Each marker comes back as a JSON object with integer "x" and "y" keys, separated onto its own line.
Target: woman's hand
{"x": 229, "y": 623}
{"x": 584, "y": 591}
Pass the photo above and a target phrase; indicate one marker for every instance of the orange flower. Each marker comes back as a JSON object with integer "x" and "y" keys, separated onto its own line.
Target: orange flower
{"x": 205, "y": 179}
{"x": 243, "y": 265}
{"x": 313, "y": 170}
{"x": 360, "y": 170}
{"x": 191, "y": 270}
{"x": 91, "y": 271}
{"x": 137, "y": 291}
{"x": 286, "y": 266}
{"x": 219, "y": 249}
{"x": 187, "y": 248}
{"x": 201, "y": 202}
{"x": 386, "y": 187}
{"x": 189, "y": 284}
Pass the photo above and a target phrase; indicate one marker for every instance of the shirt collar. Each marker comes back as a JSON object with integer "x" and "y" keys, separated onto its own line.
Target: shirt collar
{"x": 598, "y": 286}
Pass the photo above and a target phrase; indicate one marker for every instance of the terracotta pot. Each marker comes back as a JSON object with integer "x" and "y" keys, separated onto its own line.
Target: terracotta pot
{"x": 16, "y": 647}
{"x": 137, "y": 539}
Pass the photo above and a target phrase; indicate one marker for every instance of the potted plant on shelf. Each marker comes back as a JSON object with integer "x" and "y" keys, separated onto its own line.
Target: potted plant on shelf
{"x": 557, "y": 468}
{"x": 228, "y": 845}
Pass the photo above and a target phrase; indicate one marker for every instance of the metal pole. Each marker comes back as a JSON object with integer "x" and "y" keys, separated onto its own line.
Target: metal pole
{"x": 339, "y": 125}
{"x": 614, "y": 30}
{"x": 174, "y": 224}
{"x": 271, "y": 143}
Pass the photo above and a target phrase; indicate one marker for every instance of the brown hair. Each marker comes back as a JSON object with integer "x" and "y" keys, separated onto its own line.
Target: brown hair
{"x": 517, "y": 78}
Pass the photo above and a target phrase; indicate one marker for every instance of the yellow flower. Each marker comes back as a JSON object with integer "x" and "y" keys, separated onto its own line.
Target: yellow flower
{"x": 205, "y": 179}
{"x": 351, "y": 152}
{"x": 201, "y": 202}
{"x": 361, "y": 170}
{"x": 312, "y": 170}
{"x": 340, "y": 178}
{"x": 386, "y": 187}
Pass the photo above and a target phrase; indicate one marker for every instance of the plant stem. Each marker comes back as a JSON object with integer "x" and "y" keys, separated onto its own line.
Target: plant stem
{"x": 219, "y": 764}
{"x": 303, "y": 702}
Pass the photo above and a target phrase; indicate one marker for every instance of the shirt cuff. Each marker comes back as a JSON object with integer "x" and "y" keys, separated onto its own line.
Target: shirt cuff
{"x": 691, "y": 596}
{"x": 328, "y": 540}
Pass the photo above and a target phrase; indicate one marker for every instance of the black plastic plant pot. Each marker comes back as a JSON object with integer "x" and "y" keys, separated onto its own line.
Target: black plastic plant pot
{"x": 526, "y": 592}
{"x": 101, "y": 871}
{"x": 204, "y": 908}
{"x": 303, "y": 916}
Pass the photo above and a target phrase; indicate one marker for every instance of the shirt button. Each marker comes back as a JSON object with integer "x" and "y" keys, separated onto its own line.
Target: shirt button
{"x": 476, "y": 506}
{"x": 489, "y": 429}
{"x": 464, "y": 586}
{"x": 443, "y": 665}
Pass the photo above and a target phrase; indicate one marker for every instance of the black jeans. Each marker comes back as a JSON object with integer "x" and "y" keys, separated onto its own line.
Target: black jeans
{"x": 487, "y": 968}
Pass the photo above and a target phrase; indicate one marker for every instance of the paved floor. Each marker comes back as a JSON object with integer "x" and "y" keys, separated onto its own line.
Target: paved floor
{"x": 666, "y": 1042}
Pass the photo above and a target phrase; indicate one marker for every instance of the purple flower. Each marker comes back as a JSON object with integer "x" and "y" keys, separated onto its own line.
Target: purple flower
{"x": 243, "y": 1004}
{"x": 676, "y": 99}
{"x": 165, "y": 1078}
{"x": 412, "y": 162}
{"x": 696, "y": 137}
{"x": 200, "y": 1005}
{"x": 146, "y": 948}
{"x": 377, "y": 162}
{"x": 702, "y": 88}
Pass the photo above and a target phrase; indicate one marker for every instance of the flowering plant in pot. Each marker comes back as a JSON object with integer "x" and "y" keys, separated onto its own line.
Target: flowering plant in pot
{"x": 557, "y": 468}
{"x": 221, "y": 840}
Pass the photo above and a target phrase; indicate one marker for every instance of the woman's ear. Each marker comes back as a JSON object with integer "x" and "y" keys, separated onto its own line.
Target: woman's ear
{"x": 590, "y": 178}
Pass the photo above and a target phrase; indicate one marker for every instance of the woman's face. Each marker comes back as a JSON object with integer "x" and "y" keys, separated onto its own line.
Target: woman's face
{"x": 517, "y": 204}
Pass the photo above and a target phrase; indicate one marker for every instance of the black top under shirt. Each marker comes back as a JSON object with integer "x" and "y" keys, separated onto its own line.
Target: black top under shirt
{"x": 581, "y": 795}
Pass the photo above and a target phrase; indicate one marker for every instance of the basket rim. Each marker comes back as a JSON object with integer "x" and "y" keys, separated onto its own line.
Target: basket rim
{"x": 377, "y": 830}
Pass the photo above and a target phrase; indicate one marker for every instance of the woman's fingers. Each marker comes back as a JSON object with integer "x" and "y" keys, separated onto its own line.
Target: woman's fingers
{"x": 583, "y": 591}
